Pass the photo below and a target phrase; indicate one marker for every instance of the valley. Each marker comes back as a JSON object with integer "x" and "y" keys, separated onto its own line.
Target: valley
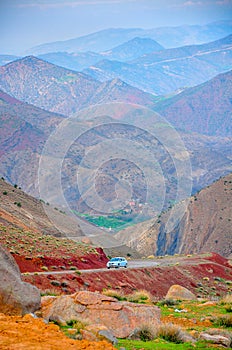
{"x": 117, "y": 143}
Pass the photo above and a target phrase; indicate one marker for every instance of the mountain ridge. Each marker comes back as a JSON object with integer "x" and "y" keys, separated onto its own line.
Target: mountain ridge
{"x": 106, "y": 39}
{"x": 165, "y": 71}
{"x": 205, "y": 226}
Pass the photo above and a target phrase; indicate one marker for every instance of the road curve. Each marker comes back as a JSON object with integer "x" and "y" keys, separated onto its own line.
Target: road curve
{"x": 132, "y": 264}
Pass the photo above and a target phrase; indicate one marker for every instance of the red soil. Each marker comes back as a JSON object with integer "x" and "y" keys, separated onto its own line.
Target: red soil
{"x": 156, "y": 280}
{"x": 88, "y": 261}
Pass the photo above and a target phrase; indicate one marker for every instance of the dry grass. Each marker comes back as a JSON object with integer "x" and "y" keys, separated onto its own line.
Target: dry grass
{"x": 114, "y": 294}
{"x": 171, "y": 332}
{"x": 223, "y": 321}
{"x": 227, "y": 299}
{"x": 140, "y": 296}
{"x": 147, "y": 332}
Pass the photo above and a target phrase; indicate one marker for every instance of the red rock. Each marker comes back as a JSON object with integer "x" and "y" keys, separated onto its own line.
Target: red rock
{"x": 121, "y": 318}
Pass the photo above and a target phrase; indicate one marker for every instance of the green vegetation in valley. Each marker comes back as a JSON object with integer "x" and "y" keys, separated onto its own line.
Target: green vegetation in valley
{"x": 159, "y": 344}
{"x": 108, "y": 222}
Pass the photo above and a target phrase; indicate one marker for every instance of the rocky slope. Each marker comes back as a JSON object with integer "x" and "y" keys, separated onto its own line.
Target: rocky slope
{"x": 26, "y": 129}
{"x": 60, "y": 90}
{"x": 205, "y": 109}
{"x": 25, "y": 212}
{"x": 205, "y": 226}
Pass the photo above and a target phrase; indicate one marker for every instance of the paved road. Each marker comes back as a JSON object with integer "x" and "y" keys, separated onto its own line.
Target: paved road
{"x": 132, "y": 264}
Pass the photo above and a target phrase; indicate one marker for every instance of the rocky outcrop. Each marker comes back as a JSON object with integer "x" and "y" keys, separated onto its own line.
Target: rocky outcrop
{"x": 217, "y": 339}
{"x": 16, "y": 297}
{"x": 177, "y": 292}
{"x": 121, "y": 318}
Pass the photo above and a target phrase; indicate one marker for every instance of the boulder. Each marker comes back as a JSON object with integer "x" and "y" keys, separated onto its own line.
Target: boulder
{"x": 177, "y": 292}
{"x": 216, "y": 339}
{"x": 120, "y": 318}
{"x": 16, "y": 296}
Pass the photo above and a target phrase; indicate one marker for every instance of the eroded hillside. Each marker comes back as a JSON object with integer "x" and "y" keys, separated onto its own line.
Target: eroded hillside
{"x": 205, "y": 226}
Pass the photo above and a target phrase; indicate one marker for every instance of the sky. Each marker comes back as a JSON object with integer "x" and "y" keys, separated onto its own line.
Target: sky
{"x": 27, "y": 23}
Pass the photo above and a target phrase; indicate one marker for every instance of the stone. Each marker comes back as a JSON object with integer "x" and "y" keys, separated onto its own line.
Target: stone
{"x": 177, "y": 292}
{"x": 106, "y": 334}
{"x": 93, "y": 308}
{"x": 16, "y": 297}
{"x": 216, "y": 339}
{"x": 207, "y": 303}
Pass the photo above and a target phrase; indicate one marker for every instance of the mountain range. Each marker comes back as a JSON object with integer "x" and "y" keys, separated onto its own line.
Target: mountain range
{"x": 26, "y": 129}
{"x": 168, "y": 70}
{"x": 78, "y": 61}
{"x": 166, "y": 36}
{"x": 37, "y": 96}
{"x": 57, "y": 89}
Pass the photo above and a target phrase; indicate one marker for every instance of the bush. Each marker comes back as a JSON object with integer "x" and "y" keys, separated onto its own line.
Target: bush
{"x": 76, "y": 324}
{"x": 114, "y": 294}
{"x": 171, "y": 332}
{"x": 228, "y": 308}
{"x": 227, "y": 299}
{"x": 146, "y": 332}
{"x": 224, "y": 321}
{"x": 141, "y": 296}
{"x": 168, "y": 302}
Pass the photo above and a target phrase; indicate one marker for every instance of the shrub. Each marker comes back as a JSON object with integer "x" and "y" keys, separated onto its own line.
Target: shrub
{"x": 228, "y": 308}
{"x": 168, "y": 302}
{"x": 141, "y": 296}
{"x": 5, "y": 193}
{"x": 227, "y": 299}
{"x": 146, "y": 332}
{"x": 77, "y": 325}
{"x": 224, "y": 321}
{"x": 114, "y": 294}
{"x": 171, "y": 332}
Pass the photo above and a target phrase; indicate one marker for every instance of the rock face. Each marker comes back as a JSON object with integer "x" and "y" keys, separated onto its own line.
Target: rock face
{"x": 16, "y": 296}
{"x": 121, "y": 318}
{"x": 177, "y": 292}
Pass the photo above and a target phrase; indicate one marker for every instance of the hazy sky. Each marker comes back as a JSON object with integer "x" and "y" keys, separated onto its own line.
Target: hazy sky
{"x": 26, "y": 23}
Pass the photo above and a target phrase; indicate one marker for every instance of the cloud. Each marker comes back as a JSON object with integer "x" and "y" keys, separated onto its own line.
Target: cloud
{"x": 223, "y": 2}
{"x": 61, "y": 3}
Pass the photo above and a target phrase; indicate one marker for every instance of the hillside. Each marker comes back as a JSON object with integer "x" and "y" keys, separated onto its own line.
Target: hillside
{"x": 205, "y": 226}
{"x": 205, "y": 109}
{"x": 22, "y": 211}
{"x": 165, "y": 71}
{"x": 60, "y": 90}
{"x": 26, "y": 129}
